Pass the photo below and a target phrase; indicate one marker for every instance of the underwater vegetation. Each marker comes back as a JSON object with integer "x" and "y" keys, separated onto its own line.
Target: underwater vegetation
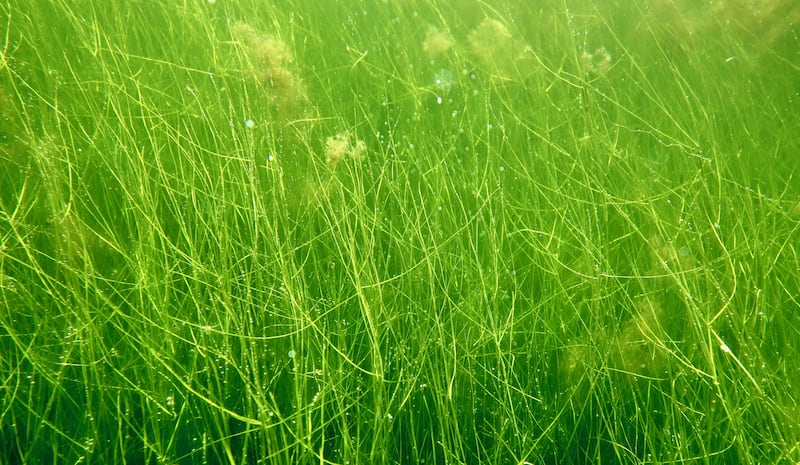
{"x": 407, "y": 232}
{"x": 341, "y": 147}
{"x": 270, "y": 61}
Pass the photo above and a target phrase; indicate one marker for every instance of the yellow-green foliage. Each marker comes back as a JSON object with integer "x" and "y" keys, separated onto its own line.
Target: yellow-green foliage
{"x": 272, "y": 62}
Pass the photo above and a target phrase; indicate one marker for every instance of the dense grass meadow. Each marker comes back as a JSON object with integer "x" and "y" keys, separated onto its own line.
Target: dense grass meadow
{"x": 399, "y": 232}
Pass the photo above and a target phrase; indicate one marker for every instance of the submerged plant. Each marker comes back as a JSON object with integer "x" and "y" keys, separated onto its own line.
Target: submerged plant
{"x": 227, "y": 242}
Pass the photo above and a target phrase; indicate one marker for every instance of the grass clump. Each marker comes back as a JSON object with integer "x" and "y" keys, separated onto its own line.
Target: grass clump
{"x": 417, "y": 232}
{"x": 341, "y": 147}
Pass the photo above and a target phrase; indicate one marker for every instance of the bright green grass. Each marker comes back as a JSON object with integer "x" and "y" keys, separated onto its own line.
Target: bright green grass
{"x": 542, "y": 258}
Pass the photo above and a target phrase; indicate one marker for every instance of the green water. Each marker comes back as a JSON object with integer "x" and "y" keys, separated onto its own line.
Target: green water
{"x": 399, "y": 232}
